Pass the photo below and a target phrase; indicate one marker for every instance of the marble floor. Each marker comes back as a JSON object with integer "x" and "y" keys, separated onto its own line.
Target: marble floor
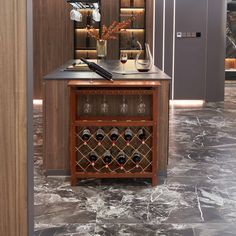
{"x": 198, "y": 198}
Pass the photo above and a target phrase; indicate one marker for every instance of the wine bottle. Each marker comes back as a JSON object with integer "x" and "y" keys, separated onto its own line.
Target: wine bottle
{"x": 93, "y": 157}
{"x": 132, "y": 20}
{"x": 89, "y": 18}
{"x": 86, "y": 134}
{"x": 98, "y": 69}
{"x": 114, "y": 134}
{"x": 107, "y": 158}
{"x": 100, "y": 134}
{"x": 87, "y": 41}
{"x": 121, "y": 158}
{"x": 133, "y": 41}
{"x": 128, "y": 134}
{"x": 136, "y": 157}
{"x": 141, "y": 134}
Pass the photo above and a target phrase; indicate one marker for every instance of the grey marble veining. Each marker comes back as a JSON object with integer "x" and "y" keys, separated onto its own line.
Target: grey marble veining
{"x": 198, "y": 198}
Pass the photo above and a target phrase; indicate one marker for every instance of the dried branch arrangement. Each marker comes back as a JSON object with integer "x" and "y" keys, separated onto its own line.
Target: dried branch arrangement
{"x": 111, "y": 31}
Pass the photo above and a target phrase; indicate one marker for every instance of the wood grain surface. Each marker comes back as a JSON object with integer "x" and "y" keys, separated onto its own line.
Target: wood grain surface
{"x": 56, "y": 125}
{"x": 13, "y": 119}
{"x": 53, "y": 38}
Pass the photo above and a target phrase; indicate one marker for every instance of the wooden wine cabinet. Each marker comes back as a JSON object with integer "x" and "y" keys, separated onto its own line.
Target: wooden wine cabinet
{"x": 113, "y": 93}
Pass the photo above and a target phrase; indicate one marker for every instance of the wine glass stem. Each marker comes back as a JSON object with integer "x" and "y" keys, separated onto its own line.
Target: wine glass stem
{"x": 123, "y": 68}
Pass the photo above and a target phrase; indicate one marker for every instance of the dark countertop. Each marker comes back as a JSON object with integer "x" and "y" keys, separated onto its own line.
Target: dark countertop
{"x": 110, "y": 65}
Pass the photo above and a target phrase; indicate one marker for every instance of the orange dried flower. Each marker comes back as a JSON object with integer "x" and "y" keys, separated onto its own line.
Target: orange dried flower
{"x": 111, "y": 31}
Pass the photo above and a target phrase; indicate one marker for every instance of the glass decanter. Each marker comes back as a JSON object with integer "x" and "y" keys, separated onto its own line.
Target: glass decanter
{"x": 144, "y": 65}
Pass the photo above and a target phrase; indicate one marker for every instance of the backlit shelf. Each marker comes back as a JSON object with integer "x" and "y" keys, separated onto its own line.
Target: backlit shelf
{"x": 133, "y": 30}
{"x": 132, "y": 9}
{"x": 82, "y": 30}
{"x": 85, "y": 50}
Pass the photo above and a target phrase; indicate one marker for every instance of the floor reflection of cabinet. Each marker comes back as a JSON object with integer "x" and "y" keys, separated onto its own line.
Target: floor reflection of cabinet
{"x": 100, "y": 110}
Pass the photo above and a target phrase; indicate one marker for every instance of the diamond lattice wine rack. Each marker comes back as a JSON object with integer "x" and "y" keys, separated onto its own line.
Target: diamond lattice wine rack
{"x": 113, "y": 130}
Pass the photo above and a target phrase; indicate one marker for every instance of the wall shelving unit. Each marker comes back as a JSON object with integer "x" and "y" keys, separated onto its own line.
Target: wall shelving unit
{"x": 141, "y": 28}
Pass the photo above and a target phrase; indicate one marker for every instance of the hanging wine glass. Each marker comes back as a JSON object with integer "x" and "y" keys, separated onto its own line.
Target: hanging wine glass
{"x": 87, "y": 106}
{"x": 104, "y": 106}
{"x": 141, "y": 108}
{"x": 124, "y": 106}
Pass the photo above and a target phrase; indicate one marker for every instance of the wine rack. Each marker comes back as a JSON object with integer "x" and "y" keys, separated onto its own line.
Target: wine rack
{"x": 144, "y": 146}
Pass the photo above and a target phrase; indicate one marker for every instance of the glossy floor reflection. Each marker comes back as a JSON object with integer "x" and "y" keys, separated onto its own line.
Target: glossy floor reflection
{"x": 197, "y": 198}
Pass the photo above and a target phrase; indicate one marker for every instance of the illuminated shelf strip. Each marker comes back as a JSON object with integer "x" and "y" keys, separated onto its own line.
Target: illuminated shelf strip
{"x": 131, "y": 50}
{"x": 85, "y": 50}
{"x": 82, "y": 29}
{"x": 131, "y": 30}
{"x": 133, "y": 9}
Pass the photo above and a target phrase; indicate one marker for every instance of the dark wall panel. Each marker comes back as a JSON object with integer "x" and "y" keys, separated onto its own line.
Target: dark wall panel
{"x": 190, "y": 53}
{"x": 159, "y": 33}
{"x": 216, "y": 50}
{"x": 53, "y": 38}
{"x": 169, "y": 36}
{"x": 110, "y": 11}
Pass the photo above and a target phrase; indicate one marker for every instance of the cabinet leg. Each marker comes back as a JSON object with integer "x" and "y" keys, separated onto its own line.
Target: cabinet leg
{"x": 154, "y": 181}
{"x": 73, "y": 181}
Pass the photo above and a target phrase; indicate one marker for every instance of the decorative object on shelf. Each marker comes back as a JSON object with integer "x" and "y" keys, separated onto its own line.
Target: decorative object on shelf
{"x": 107, "y": 34}
{"x": 101, "y": 48}
{"x": 146, "y": 64}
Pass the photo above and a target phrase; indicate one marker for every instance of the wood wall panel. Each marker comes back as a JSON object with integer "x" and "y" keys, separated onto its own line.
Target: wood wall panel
{"x": 163, "y": 126}
{"x": 13, "y": 119}
{"x": 56, "y": 122}
{"x": 53, "y": 38}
